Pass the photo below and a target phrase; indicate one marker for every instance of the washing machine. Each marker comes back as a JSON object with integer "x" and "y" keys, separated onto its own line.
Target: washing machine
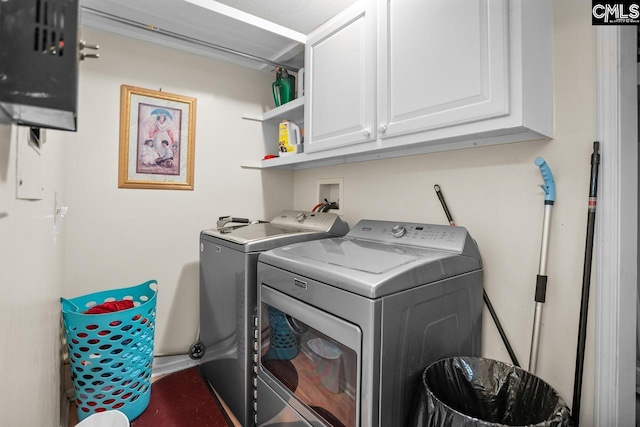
{"x": 228, "y": 298}
{"x": 348, "y": 324}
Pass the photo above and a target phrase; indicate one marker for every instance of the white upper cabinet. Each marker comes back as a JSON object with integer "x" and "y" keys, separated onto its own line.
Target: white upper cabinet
{"x": 340, "y": 69}
{"x": 441, "y": 63}
{"x": 464, "y": 73}
{"x": 449, "y": 74}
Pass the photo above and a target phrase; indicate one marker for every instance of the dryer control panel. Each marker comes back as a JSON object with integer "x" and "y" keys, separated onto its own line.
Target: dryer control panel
{"x": 431, "y": 236}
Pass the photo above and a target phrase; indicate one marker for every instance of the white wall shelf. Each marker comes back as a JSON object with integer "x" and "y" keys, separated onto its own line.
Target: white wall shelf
{"x": 292, "y": 110}
{"x": 251, "y": 165}
{"x": 376, "y": 151}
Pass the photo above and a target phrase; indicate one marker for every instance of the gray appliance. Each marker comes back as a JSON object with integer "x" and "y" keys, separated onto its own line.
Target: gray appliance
{"x": 228, "y": 298}
{"x": 348, "y": 324}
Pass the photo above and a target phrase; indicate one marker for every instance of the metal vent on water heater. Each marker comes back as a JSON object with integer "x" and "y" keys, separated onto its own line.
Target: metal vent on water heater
{"x": 39, "y": 56}
{"x": 48, "y": 32}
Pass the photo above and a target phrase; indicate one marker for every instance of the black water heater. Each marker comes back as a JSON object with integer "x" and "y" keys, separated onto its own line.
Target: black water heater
{"x": 39, "y": 63}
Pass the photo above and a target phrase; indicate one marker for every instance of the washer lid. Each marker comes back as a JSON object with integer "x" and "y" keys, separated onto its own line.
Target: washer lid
{"x": 286, "y": 228}
{"x": 251, "y": 232}
{"x": 260, "y": 237}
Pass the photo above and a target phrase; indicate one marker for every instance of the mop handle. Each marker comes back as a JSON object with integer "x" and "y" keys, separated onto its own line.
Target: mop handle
{"x": 549, "y": 186}
{"x": 549, "y": 189}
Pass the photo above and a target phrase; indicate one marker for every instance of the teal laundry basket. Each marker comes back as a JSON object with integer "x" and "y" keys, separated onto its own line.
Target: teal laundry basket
{"x": 111, "y": 354}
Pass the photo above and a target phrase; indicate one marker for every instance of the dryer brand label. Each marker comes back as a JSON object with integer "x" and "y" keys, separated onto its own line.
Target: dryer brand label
{"x": 300, "y": 283}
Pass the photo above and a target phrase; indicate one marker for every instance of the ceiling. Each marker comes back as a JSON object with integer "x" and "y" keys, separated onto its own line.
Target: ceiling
{"x": 258, "y": 34}
{"x": 299, "y": 15}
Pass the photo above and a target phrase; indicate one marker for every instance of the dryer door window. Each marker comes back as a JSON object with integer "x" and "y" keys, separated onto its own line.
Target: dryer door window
{"x": 313, "y": 355}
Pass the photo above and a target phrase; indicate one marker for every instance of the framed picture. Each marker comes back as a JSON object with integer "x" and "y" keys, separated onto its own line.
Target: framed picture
{"x": 157, "y": 139}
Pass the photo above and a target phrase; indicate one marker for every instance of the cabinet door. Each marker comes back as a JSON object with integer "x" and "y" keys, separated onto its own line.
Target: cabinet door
{"x": 441, "y": 63}
{"x": 339, "y": 60}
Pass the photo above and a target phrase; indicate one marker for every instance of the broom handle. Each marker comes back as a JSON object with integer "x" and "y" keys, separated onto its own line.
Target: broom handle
{"x": 485, "y": 297}
{"x": 586, "y": 282}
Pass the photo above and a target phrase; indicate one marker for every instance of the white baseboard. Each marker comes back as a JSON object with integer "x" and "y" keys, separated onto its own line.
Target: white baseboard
{"x": 163, "y": 365}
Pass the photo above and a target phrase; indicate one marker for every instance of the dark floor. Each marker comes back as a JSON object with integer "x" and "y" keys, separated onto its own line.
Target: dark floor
{"x": 73, "y": 416}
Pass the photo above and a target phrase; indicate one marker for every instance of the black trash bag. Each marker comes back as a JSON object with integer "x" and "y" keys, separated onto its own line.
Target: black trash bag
{"x": 472, "y": 391}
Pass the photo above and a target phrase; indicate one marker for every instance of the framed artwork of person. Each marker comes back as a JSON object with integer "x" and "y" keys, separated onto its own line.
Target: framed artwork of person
{"x": 157, "y": 138}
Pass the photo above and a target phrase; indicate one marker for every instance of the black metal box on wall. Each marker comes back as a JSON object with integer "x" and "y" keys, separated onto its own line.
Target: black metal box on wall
{"x": 39, "y": 63}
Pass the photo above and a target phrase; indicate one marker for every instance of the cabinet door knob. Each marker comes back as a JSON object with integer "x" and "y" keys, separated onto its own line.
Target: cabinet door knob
{"x": 366, "y": 132}
{"x": 382, "y": 128}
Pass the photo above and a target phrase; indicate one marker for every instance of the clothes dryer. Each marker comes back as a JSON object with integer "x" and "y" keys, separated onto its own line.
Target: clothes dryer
{"x": 348, "y": 324}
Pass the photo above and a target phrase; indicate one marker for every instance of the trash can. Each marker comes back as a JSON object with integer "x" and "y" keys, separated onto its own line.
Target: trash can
{"x": 473, "y": 391}
{"x": 111, "y": 354}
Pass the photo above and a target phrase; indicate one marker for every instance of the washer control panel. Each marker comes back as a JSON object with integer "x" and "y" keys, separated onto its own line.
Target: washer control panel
{"x": 316, "y": 221}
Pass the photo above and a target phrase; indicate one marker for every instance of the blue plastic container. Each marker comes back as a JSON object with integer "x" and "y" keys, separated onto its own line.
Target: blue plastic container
{"x": 111, "y": 354}
{"x": 283, "y": 344}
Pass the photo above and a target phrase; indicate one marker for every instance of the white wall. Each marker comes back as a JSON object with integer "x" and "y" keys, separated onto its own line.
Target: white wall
{"x": 122, "y": 237}
{"x": 119, "y": 237}
{"x": 31, "y": 282}
{"x": 493, "y": 191}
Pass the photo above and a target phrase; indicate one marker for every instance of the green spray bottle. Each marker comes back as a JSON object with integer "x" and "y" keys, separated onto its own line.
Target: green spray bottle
{"x": 284, "y": 87}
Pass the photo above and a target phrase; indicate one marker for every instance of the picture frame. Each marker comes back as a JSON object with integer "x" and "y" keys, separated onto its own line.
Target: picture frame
{"x": 157, "y": 139}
